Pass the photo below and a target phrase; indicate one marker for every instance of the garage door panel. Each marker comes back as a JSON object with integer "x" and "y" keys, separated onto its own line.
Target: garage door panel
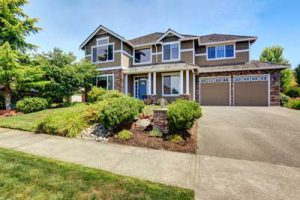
{"x": 251, "y": 94}
{"x": 215, "y": 94}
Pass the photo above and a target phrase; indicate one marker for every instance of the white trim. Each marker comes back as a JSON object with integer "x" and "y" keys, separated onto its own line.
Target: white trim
{"x": 194, "y": 86}
{"x": 269, "y": 90}
{"x": 154, "y": 83}
{"x": 185, "y": 50}
{"x": 226, "y": 41}
{"x": 200, "y": 54}
{"x": 110, "y": 68}
{"x": 101, "y": 27}
{"x": 224, "y": 58}
{"x": 142, "y": 63}
{"x": 168, "y": 32}
{"x": 126, "y": 83}
{"x": 181, "y": 83}
{"x": 170, "y": 43}
{"x": 242, "y": 50}
{"x": 187, "y": 82}
{"x": 149, "y": 92}
{"x": 107, "y": 61}
{"x": 88, "y": 55}
{"x": 157, "y": 53}
{"x": 103, "y": 75}
{"x": 124, "y": 52}
{"x": 162, "y": 85}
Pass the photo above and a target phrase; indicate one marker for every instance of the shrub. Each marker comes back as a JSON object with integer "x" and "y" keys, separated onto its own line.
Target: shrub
{"x": 92, "y": 113}
{"x": 155, "y": 133}
{"x": 95, "y": 94}
{"x": 284, "y": 99}
{"x": 124, "y": 135}
{"x": 176, "y": 138}
{"x": 181, "y": 114}
{"x": 68, "y": 123}
{"x": 293, "y": 92}
{"x": 120, "y": 111}
{"x": 294, "y": 104}
{"x": 31, "y": 104}
{"x": 111, "y": 94}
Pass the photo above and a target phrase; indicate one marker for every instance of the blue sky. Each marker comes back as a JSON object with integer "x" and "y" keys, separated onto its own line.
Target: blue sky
{"x": 67, "y": 23}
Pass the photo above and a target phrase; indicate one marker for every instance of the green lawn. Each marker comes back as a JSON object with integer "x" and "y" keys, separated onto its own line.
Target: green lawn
{"x": 23, "y": 176}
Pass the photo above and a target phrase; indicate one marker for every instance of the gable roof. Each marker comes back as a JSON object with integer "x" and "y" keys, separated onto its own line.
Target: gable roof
{"x": 101, "y": 27}
{"x": 214, "y": 38}
{"x": 156, "y": 37}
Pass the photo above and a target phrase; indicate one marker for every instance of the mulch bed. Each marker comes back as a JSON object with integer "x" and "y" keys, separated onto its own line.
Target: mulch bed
{"x": 142, "y": 139}
{"x": 8, "y": 113}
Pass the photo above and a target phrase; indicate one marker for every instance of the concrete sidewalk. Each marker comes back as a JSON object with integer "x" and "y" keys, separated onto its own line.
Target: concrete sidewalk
{"x": 160, "y": 166}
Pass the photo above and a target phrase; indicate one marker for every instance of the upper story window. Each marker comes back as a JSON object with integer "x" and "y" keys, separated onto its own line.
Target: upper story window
{"x": 220, "y": 52}
{"x": 142, "y": 56}
{"x": 171, "y": 51}
{"x": 103, "y": 51}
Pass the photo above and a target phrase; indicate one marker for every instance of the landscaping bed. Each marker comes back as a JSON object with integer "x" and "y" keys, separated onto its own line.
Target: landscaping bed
{"x": 142, "y": 139}
{"x": 8, "y": 113}
{"x": 25, "y": 176}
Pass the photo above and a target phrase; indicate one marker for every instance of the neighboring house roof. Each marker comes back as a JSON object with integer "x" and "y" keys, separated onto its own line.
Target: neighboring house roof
{"x": 212, "y": 38}
{"x": 146, "y": 39}
{"x": 252, "y": 65}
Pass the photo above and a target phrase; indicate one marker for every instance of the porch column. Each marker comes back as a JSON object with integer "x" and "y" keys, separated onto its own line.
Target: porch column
{"x": 149, "y": 84}
{"x": 154, "y": 83}
{"x": 126, "y": 83}
{"x": 187, "y": 82}
{"x": 181, "y": 83}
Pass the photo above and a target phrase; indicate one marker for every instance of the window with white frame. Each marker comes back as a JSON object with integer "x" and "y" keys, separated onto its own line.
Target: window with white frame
{"x": 220, "y": 52}
{"x": 103, "y": 51}
{"x": 171, "y": 51}
{"x": 105, "y": 81}
{"x": 171, "y": 84}
{"x": 142, "y": 55}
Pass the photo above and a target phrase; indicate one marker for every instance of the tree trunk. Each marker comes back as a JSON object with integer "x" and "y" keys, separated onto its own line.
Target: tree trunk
{"x": 7, "y": 96}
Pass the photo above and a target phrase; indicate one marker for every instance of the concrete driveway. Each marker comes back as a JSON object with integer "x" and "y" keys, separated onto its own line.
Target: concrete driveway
{"x": 248, "y": 153}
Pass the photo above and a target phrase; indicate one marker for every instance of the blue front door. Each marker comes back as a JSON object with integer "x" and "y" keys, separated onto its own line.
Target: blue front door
{"x": 142, "y": 89}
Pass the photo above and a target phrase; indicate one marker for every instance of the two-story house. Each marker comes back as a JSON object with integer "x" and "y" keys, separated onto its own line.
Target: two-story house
{"x": 211, "y": 69}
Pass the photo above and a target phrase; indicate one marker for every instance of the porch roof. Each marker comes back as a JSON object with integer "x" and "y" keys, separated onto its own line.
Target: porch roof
{"x": 252, "y": 65}
{"x": 167, "y": 67}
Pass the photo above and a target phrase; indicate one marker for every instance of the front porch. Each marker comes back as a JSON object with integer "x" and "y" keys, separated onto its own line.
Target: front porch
{"x": 160, "y": 81}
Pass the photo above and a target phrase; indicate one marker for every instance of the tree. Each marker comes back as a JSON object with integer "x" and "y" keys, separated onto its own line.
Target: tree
{"x": 10, "y": 71}
{"x": 15, "y": 25}
{"x": 273, "y": 54}
{"x": 64, "y": 74}
{"x": 297, "y": 74}
{"x": 286, "y": 79}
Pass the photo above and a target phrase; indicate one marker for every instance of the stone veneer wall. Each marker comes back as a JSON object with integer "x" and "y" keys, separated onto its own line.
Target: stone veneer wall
{"x": 160, "y": 120}
{"x": 274, "y": 82}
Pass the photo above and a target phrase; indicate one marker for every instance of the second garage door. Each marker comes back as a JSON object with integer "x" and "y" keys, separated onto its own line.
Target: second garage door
{"x": 251, "y": 90}
{"x": 215, "y": 91}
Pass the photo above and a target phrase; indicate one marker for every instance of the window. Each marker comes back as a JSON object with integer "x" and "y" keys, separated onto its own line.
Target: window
{"x": 105, "y": 81}
{"x": 171, "y": 51}
{"x": 171, "y": 84}
{"x": 142, "y": 56}
{"x": 220, "y": 52}
{"x": 103, "y": 52}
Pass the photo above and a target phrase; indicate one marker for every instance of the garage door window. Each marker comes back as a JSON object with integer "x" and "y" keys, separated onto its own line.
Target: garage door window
{"x": 171, "y": 84}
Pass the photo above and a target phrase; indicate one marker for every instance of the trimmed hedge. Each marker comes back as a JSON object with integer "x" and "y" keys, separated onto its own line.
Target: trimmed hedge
{"x": 182, "y": 114}
{"x": 92, "y": 113}
{"x": 120, "y": 112}
{"x": 294, "y": 104}
{"x": 111, "y": 94}
{"x": 124, "y": 135}
{"x": 293, "y": 92}
{"x": 95, "y": 94}
{"x": 31, "y": 104}
{"x": 68, "y": 123}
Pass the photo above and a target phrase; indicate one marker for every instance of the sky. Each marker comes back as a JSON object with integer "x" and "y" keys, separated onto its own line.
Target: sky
{"x": 67, "y": 23}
